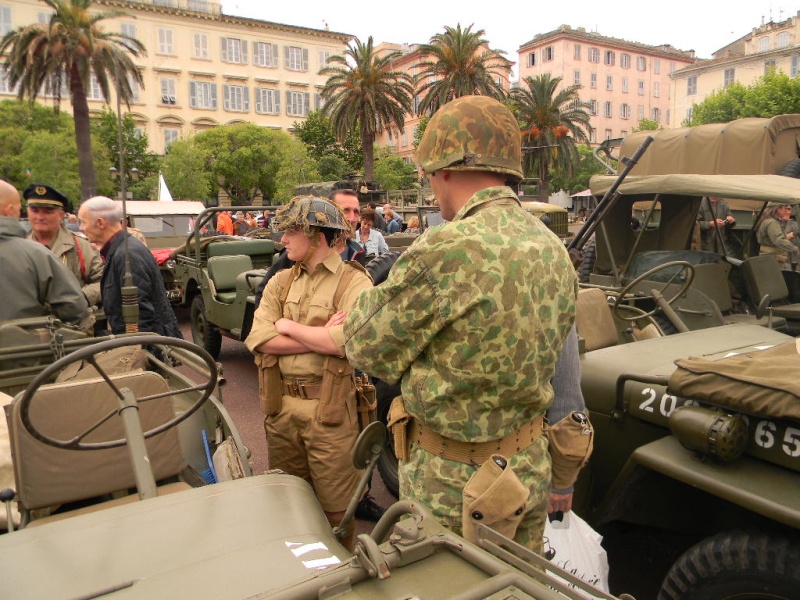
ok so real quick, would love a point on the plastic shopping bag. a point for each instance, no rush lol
(575, 547)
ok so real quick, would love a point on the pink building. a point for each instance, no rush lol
(623, 82)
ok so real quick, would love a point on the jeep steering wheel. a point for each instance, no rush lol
(88, 353)
(686, 267)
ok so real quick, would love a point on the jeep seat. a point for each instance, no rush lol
(594, 321)
(223, 272)
(763, 277)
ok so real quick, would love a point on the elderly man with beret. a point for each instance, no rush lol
(46, 209)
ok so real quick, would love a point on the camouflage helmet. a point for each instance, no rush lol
(472, 133)
(305, 212)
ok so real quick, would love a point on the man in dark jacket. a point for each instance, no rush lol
(101, 221)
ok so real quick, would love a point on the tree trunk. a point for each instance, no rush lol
(83, 135)
(367, 146)
(544, 181)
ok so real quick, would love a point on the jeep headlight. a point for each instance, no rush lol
(709, 432)
(170, 264)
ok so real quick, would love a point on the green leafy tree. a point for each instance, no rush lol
(773, 94)
(137, 155)
(647, 125)
(317, 134)
(331, 168)
(459, 63)
(47, 57)
(185, 169)
(553, 122)
(583, 169)
(364, 94)
(392, 172)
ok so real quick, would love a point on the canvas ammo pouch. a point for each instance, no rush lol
(269, 383)
(337, 387)
(571, 442)
(495, 497)
(398, 425)
(366, 401)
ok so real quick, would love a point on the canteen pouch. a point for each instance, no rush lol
(571, 441)
(495, 497)
(366, 401)
(337, 388)
(269, 384)
(398, 424)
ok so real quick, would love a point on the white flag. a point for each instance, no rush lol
(163, 190)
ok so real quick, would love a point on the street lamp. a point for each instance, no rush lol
(133, 174)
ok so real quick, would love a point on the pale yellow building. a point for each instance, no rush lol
(623, 82)
(204, 68)
(770, 46)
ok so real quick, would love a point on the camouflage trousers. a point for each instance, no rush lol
(437, 484)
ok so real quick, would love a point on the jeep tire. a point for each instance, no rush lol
(204, 334)
(736, 564)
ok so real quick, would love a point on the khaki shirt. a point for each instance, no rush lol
(310, 302)
(63, 246)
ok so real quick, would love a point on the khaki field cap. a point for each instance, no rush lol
(472, 133)
(309, 211)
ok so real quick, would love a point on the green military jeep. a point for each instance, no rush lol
(696, 431)
(216, 277)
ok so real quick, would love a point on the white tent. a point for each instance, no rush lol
(163, 190)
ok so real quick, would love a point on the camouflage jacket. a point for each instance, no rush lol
(472, 319)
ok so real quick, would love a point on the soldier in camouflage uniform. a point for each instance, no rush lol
(471, 318)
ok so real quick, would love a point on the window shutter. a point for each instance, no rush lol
(246, 95)
(192, 94)
(276, 102)
(274, 56)
(259, 104)
(213, 88)
(286, 60)
(289, 103)
(257, 58)
(244, 52)
(305, 59)
(306, 103)
(226, 97)
(317, 101)
(223, 48)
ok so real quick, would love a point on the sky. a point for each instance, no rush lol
(700, 25)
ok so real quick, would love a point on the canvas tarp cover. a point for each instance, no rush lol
(744, 146)
(766, 188)
(763, 383)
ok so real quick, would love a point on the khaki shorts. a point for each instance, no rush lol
(320, 454)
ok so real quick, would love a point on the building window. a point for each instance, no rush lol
(200, 45)
(690, 113)
(265, 55)
(5, 19)
(730, 77)
(625, 111)
(128, 29)
(318, 101)
(236, 98)
(170, 135)
(795, 65)
(593, 107)
(324, 55)
(165, 41)
(609, 58)
(136, 90)
(607, 109)
(691, 85)
(592, 135)
(672, 67)
(641, 87)
(623, 133)
(609, 82)
(168, 94)
(531, 60)
(43, 18)
(641, 63)
(576, 77)
(5, 88)
(593, 80)
(548, 54)
(268, 102)
(594, 55)
(233, 50)
(404, 137)
(769, 65)
(297, 104)
(202, 94)
(667, 119)
(416, 103)
(656, 115)
(624, 85)
(657, 66)
(656, 89)
(625, 60)
(639, 112)
(93, 89)
(577, 54)
(295, 59)
(782, 39)
(608, 134)
(763, 44)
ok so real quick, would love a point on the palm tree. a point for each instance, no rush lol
(553, 122)
(67, 51)
(459, 63)
(364, 93)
